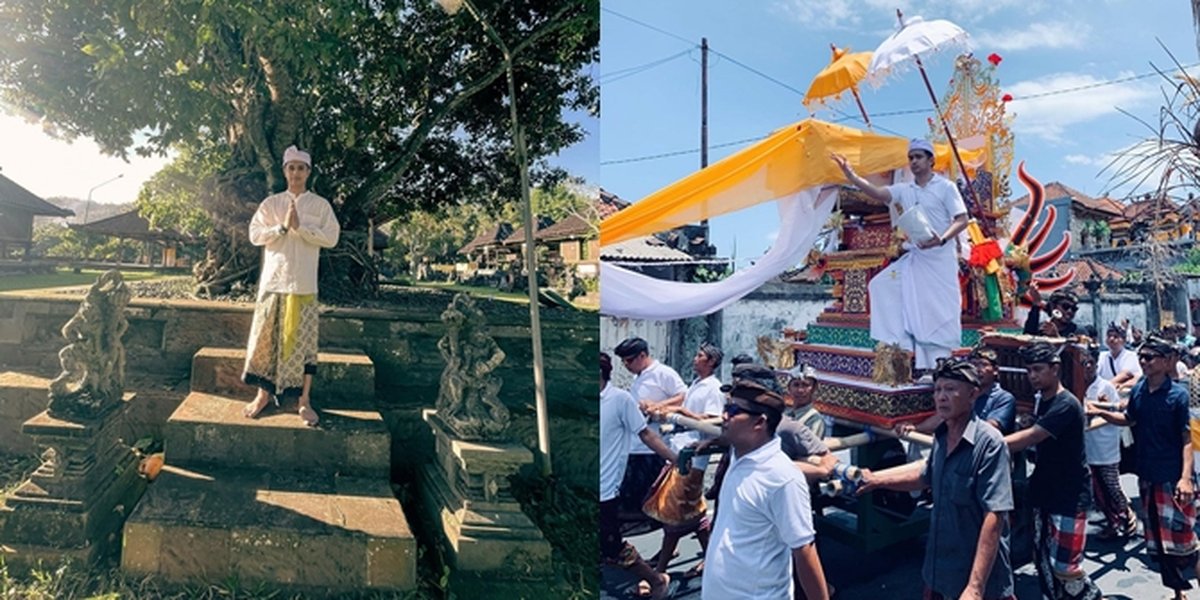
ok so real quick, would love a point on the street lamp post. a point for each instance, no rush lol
(88, 206)
(451, 7)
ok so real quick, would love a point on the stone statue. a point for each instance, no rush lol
(93, 362)
(467, 401)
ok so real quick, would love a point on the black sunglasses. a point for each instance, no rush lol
(1147, 356)
(733, 410)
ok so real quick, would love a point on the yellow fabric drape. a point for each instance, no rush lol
(943, 158)
(791, 159)
(291, 319)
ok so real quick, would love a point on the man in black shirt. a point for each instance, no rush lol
(1061, 307)
(1060, 487)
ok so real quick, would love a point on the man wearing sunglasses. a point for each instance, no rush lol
(1062, 306)
(1118, 364)
(1158, 415)
(655, 387)
(764, 524)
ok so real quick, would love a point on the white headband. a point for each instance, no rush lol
(293, 153)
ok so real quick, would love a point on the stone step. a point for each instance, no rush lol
(343, 379)
(326, 535)
(208, 429)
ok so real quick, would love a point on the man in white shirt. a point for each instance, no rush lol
(1102, 446)
(619, 420)
(1118, 364)
(292, 227)
(764, 524)
(915, 299)
(655, 387)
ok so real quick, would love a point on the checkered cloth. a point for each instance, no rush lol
(1058, 551)
(1168, 523)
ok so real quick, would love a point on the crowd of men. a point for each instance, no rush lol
(761, 540)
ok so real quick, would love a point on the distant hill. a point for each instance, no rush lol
(95, 213)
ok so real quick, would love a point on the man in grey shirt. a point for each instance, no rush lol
(967, 551)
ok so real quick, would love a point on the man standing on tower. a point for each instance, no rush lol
(914, 299)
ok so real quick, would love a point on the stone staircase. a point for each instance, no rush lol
(269, 500)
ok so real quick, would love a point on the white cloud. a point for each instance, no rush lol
(1036, 35)
(1087, 161)
(845, 14)
(1048, 117)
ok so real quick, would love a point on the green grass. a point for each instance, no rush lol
(66, 278)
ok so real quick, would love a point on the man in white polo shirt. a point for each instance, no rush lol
(1118, 364)
(619, 420)
(764, 524)
(655, 387)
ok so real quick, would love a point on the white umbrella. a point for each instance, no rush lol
(915, 37)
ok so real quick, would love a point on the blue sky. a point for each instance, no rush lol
(1066, 137)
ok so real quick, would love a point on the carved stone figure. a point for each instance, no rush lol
(468, 399)
(93, 361)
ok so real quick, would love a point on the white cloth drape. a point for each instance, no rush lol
(627, 294)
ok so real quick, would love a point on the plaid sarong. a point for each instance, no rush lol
(1170, 538)
(1058, 542)
(1106, 491)
(1168, 523)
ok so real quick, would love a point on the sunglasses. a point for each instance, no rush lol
(1068, 307)
(734, 410)
(1147, 357)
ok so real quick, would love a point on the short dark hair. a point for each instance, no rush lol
(714, 354)
(605, 367)
(1059, 296)
(632, 347)
(1040, 352)
(741, 359)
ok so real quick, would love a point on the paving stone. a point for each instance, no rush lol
(343, 379)
(208, 429)
(272, 527)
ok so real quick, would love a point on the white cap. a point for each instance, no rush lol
(293, 153)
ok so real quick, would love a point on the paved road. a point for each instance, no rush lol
(1122, 570)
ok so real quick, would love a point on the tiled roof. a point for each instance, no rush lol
(1056, 190)
(493, 236)
(12, 195)
(610, 204)
(129, 225)
(518, 236)
(646, 248)
(572, 227)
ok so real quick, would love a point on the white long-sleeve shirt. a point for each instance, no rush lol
(290, 256)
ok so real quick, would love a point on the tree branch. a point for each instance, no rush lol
(373, 190)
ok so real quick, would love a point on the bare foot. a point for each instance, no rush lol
(257, 405)
(660, 591)
(307, 414)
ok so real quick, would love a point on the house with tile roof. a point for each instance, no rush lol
(18, 207)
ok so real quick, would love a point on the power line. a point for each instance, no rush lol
(629, 72)
(679, 152)
(847, 117)
(647, 26)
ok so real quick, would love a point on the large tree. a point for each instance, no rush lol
(402, 106)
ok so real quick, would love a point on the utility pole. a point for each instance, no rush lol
(704, 105)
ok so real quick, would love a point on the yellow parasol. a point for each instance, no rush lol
(844, 72)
